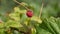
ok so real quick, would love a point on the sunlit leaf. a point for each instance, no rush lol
(34, 18)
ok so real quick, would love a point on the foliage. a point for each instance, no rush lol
(13, 19)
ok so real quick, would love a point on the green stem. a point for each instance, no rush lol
(41, 9)
(20, 4)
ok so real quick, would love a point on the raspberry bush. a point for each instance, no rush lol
(29, 17)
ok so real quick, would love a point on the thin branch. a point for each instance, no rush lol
(20, 4)
(41, 8)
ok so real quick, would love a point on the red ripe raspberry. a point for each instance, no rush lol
(29, 13)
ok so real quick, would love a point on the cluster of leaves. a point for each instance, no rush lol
(50, 26)
(20, 21)
(15, 21)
